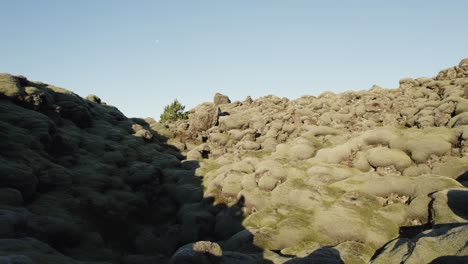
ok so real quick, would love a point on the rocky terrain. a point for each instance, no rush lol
(375, 176)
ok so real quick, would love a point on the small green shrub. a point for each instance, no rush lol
(173, 112)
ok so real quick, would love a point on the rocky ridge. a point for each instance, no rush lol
(351, 171)
(373, 176)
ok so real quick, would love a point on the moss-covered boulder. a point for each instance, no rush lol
(383, 157)
(444, 244)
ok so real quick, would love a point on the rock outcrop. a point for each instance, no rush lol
(361, 166)
(82, 183)
(375, 176)
(221, 99)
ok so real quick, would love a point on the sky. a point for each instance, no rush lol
(141, 55)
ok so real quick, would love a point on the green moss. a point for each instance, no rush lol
(453, 168)
(162, 132)
(297, 183)
(260, 154)
(281, 226)
(221, 139)
(9, 86)
(353, 252)
(207, 166)
(59, 90)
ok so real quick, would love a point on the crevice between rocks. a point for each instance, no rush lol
(409, 232)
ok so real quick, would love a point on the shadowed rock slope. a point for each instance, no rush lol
(364, 176)
(81, 183)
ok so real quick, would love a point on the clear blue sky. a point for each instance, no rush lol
(140, 55)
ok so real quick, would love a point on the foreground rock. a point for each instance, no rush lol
(82, 183)
(443, 244)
